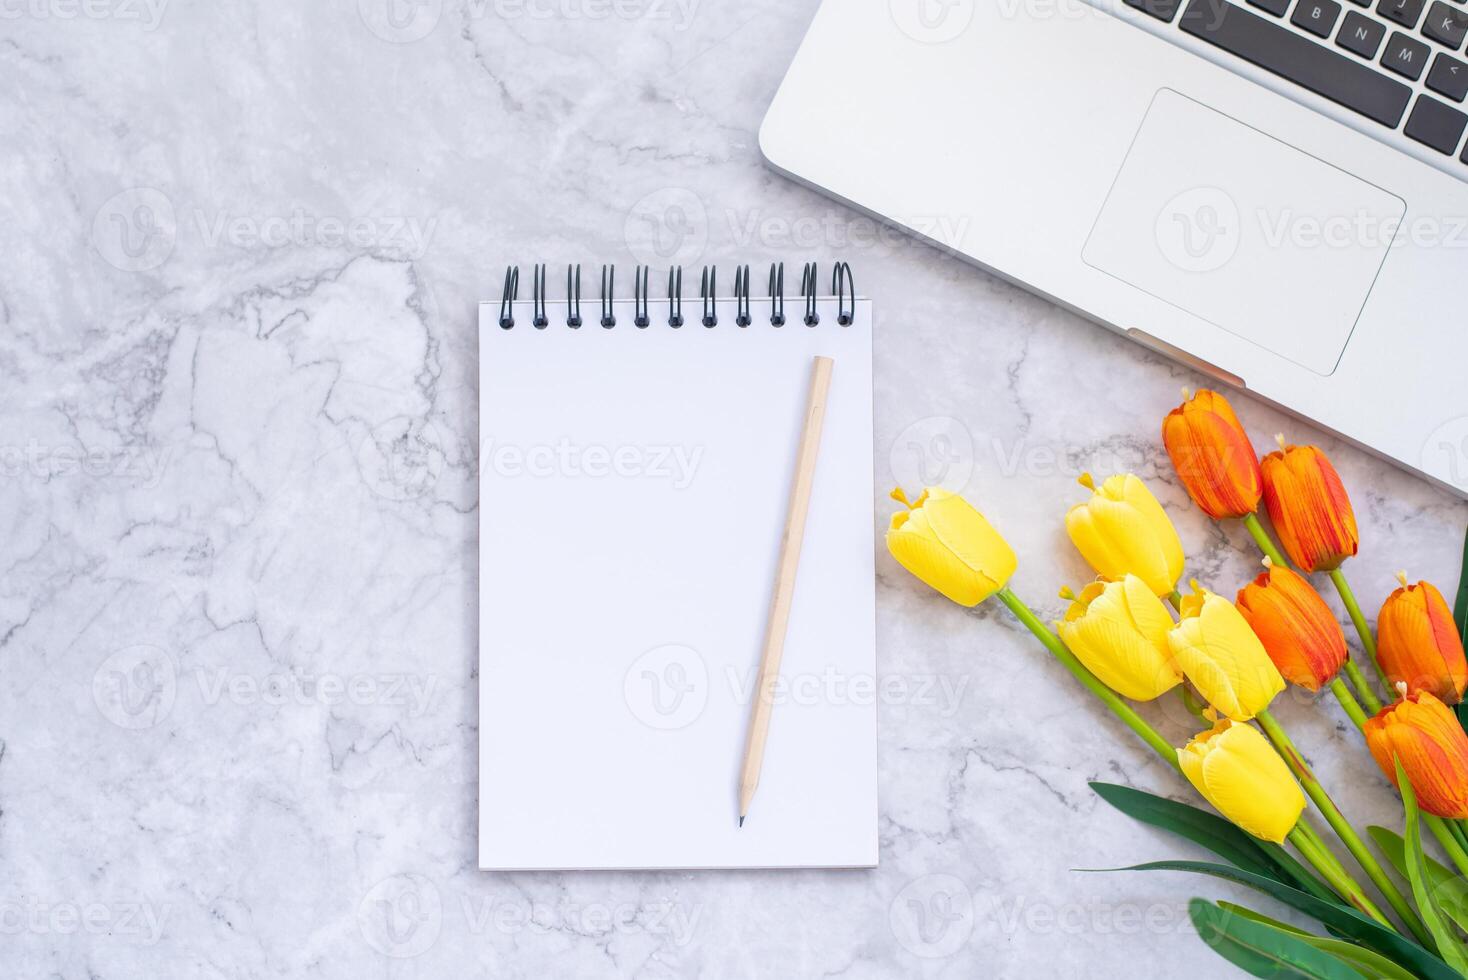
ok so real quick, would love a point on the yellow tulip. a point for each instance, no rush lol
(942, 540)
(1123, 530)
(1216, 650)
(1240, 773)
(1119, 631)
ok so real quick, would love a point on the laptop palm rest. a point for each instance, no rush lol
(1244, 231)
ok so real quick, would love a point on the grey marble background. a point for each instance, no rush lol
(242, 249)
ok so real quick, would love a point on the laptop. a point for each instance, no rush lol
(1274, 192)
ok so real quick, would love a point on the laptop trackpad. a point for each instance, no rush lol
(1244, 231)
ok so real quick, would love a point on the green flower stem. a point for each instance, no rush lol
(1342, 827)
(1176, 598)
(1362, 686)
(1348, 701)
(1368, 642)
(1262, 539)
(1335, 875)
(1451, 845)
(1108, 697)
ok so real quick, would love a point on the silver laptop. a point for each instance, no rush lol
(1272, 191)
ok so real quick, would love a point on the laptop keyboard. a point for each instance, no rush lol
(1363, 60)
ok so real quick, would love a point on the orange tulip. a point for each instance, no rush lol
(1308, 504)
(1418, 643)
(1296, 626)
(1213, 455)
(1424, 734)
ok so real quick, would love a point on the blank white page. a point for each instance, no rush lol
(633, 491)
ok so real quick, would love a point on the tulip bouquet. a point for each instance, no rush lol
(1132, 636)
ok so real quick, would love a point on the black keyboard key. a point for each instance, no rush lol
(1290, 55)
(1362, 35)
(1445, 25)
(1405, 56)
(1276, 7)
(1435, 124)
(1404, 12)
(1449, 77)
(1164, 10)
(1316, 16)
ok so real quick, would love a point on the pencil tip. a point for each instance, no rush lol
(741, 821)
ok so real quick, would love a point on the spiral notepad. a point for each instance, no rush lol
(635, 462)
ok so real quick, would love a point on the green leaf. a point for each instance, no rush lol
(1370, 963)
(1460, 608)
(1262, 950)
(1341, 919)
(1450, 890)
(1211, 831)
(1447, 944)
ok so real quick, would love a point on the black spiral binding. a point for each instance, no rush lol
(639, 297)
(537, 278)
(608, 286)
(741, 296)
(777, 294)
(841, 277)
(675, 295)
(843, 287)
(708, 291)
(808, 284)
(573, 299)
(507, 300)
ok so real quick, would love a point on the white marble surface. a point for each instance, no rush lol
(242, 247)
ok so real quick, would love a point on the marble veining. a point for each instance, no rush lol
(243, 248)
